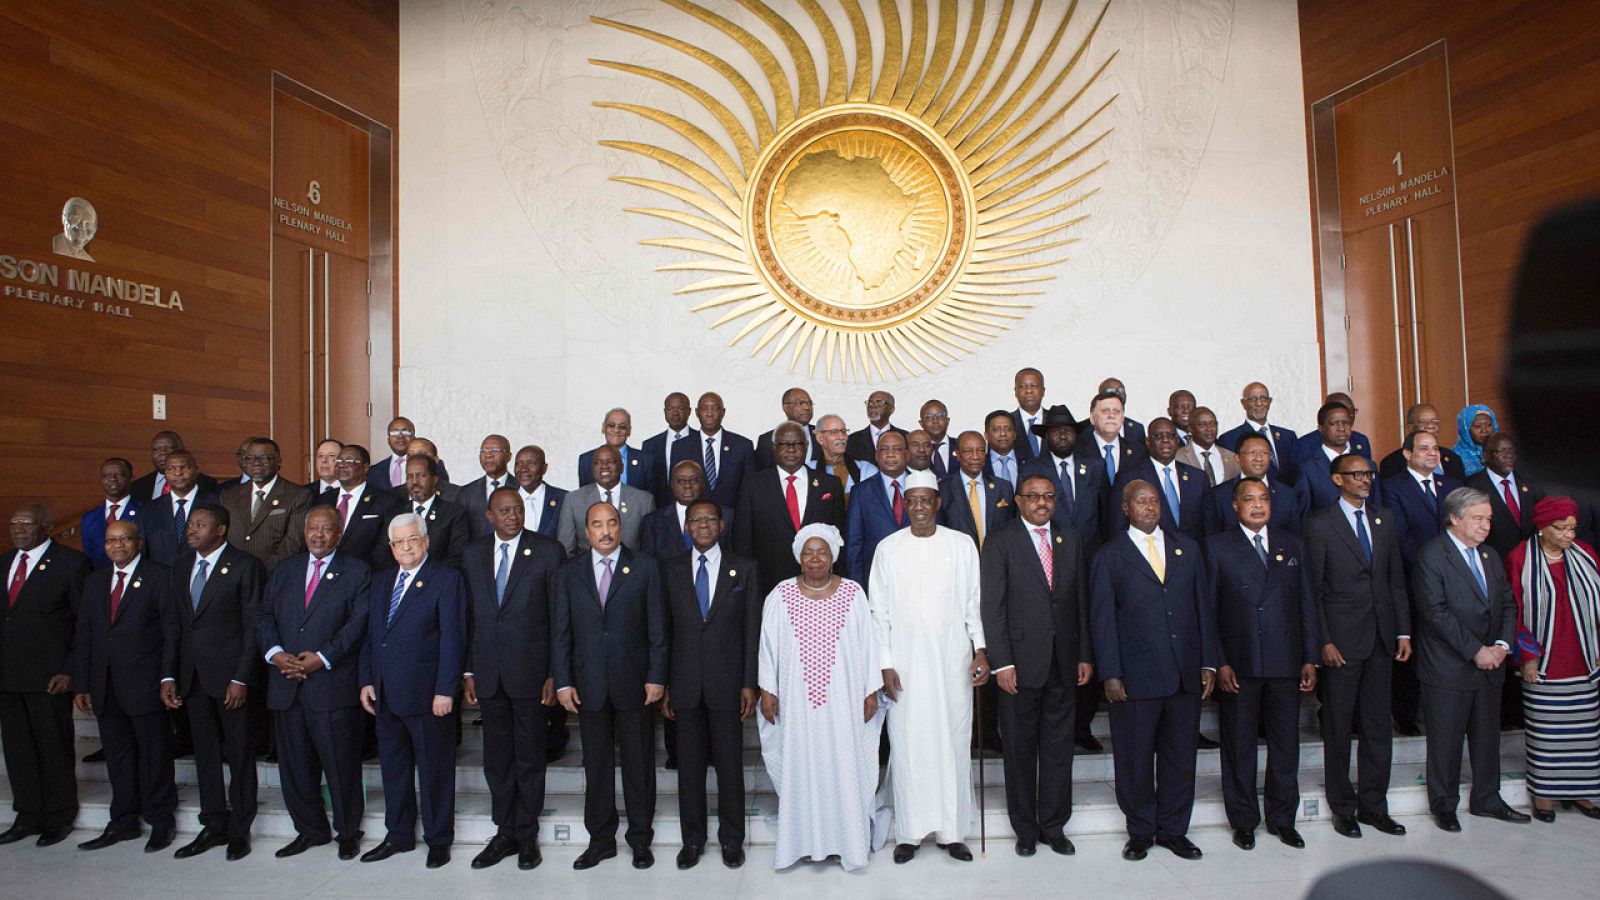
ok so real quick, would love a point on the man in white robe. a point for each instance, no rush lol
(820, 722)
(925, 602)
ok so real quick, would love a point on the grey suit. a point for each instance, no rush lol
(1224, 459)
(632, 505)
(1459, 700)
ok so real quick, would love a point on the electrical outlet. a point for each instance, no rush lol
(158, 406)
(563, 833)
(1312, 808)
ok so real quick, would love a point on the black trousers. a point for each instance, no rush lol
(312, 744)
(714, 737)
(1368, 683)
(1455, 716)
(139, 763)
(1406, 693)
(1154, 743)
(1090, 696)
(514, 762)
(417, 752)
(606, 732)
(36, 735)
(1272, 704)
(1038, 725)
(223, 735)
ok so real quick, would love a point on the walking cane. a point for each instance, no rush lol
(983, 825)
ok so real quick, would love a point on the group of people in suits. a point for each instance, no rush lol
(1150, 565)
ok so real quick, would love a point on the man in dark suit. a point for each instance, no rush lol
(362, 511)
(664, 533)
(638, 468)
(511, 576)
(1036, 621)
(1257, 403)
(1028, 386)
(152, 485)
(713, 626)
(1313, 463)
(494, 456)
(969, 501)
(1255, 461)
(1182, 487)
(862, 446)
(1106, 443)
(268, 514)
(390, 472)
(725, 458)
(1004, 461)
(422, 447)
(1267, 630)
(1156, 647)
(448, 531)
(1180, 406)
(119, 682)
(1308, 443)
(44, 584)
(797, 408)
(1415, 498)
(1423, 417)
(919, 452)
(115, 475)
(210, 663)
(1469, 622)
(411, 665)
(1080, 482)
(1358, 578)
(675, 409)
(609, 655)
(164, 521)
(541, 502)
(324, 461)
(1512, 498)
(935, 420)
(632, 504)
(1128, 429)
(878, 509)
(775, 503)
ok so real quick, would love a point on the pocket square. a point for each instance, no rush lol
(1292, 562)
(278, 512)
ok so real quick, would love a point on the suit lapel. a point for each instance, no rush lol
(622, 569)
(1348, 535)
(521, 558)
(209, 592)
(1466, 571)
(813, 500)
(1140, 562)
(130, 591)
(416, 583)
(719, 597)
(329, 576)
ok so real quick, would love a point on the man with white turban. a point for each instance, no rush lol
(925, 586)
(820, 721)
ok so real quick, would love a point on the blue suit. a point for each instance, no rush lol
(92, 529)
(1311, 442)
(162, 543)
(1314, 482)
(656, 447)
(409, 661)
(1217, 515)
(549, 523)
(999, 505)
(638, 468)
(378, 476)
(1417, 519)
(1283, 441)
(1083, 509)
(738, 459)
(869, 519)
(1190, 483)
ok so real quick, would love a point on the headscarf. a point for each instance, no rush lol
(1552, 509)
(1470, 451)
(1539, 591)
(829, 535)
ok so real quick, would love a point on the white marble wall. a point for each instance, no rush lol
(527, 305)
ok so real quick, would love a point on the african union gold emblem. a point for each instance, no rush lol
(876, 221)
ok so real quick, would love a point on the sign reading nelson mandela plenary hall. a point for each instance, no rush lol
(55, 284)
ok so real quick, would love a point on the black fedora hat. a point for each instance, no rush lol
(1054, 417)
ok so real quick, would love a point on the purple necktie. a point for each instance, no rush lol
(605, 582)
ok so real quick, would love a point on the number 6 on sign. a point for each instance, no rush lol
(314, 191)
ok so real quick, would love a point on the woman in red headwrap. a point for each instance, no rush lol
(1557, 586)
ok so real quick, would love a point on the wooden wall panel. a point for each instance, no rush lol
(159, 112)
(1525, 108)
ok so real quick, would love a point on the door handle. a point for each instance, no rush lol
(1399, 358)
(311, 355)
(1416, 339)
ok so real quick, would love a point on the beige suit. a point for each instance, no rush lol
(278, 528)
(1222, 457)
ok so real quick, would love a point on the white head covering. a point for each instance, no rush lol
(923, 478)
(829, 535)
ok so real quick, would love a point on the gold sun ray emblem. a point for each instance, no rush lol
(885, 222)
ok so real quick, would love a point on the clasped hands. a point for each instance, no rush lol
(1489, 658)
(297, 666)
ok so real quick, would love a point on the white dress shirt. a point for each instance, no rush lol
(355, 498)
(311, 572)
(716, 450)
(1210, 459)
(426, 505)
(713, 562)
(802, 487)
(34, 556)
(532, 506)
(595, 562)
(1332, 453)
(1140, 541)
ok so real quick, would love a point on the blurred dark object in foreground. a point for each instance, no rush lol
(1552, 381)
(1401, 878)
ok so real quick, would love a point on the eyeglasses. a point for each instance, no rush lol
(492, 451)
(1363, 474)
(348, 462)
(1036, 497)
(119, 540)
(704, 520)
(406, 543)
(258, 459)
(618, 426)
(402, 433)
(833, 431)
(936, 417)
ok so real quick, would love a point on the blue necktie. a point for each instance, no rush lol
(688, 542)
(1033, 439)
(394, 598)
(1067, 499)
(1111, 463)
(1272, 445)
(180, 523)
(1261, 549)
(502, 572)
(1433, 498)
(1477, 571)
(1172, 494)
(702, 589)
(1362, 537)
(1005, 470)
(197, 585)
(711, 464)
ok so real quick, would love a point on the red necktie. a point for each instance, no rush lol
(344, 509)
(166, 488)
(1047, 557)
(899, 505)
(111, 514)
(316, 575)
(1511, 500)
(116, 594)
(793, 500)
(17, 579)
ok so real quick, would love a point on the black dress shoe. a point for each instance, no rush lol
(672, 763)
(1061, 844)
(959, 852)
(689, 857)
(1205, 743)
(1406, 729)
(16, 833)
(1447, 821)
(1288, 835)
(383, 851)
(349, 847)
(1244, 838)
(1181, 847)
(1089, 743)
(732, 855)
(238, 848)
(1504, 814)
(904, 853)
(592, 856)
(97, 756)
(51, 836)
(1382, 822)
(202, 842)
(1346, 825)
(109, 838)
(299, 845)
(438, 856)
(1026, 847)
(643, 858)
(529, 857)
(1544, 815)
(1136, 849)
(499, 847)
(160, 839)
(1592, 811)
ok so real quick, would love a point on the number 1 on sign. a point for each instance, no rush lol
(1397, 170)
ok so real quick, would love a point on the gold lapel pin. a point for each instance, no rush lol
(1377, 521)
(1524, 489)
(815, 483)
(1083, 470)
(527, 551)
(274, 501)
(552, 503)
(224, 570)
(1184, 476)
(732, 573)
(625, 570)
(633, 462)
(136, 584)
(1280, 557)
(419, 584)
(328, 577)
(724, 448)
(1058, 538)
(1178, 552)
(623, 508)
(991, 485)
(42, 566)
